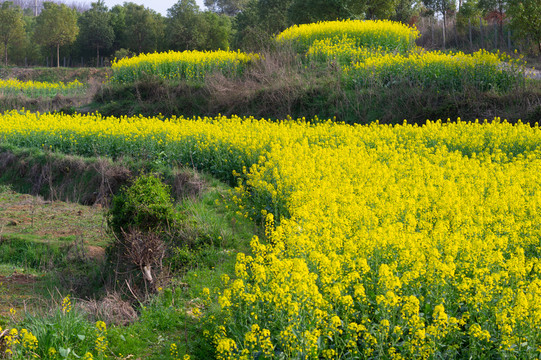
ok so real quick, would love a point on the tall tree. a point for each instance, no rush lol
(184, 27)
(468, 13)
(217, 30)
(247, 31)
(260, 19)
(308, 11)
(96, 28)
(190, 29)
(118, 22)
(56, 25)
(442, 7)
(405, 11)
(11, 25)
(526, 19)
(381, 9)
(226, 7)
(143, 28)
(273, 15)
(495, 9)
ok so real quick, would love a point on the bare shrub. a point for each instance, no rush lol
(110, 178)
(111, 309)
(144, 250)
(274, 83)
(137, 258)
(187, 184)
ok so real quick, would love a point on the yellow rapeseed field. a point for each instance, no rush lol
(188, 65)
(390, 35)
(383, 53)
(13, 87)
(381, 241)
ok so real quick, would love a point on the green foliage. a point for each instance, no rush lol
(488, 6)
(122, 53)
(184, 26)
(146, 205)
(56, 25)
(226, 7)
(190, 29)
(26, 49)
(526, 19)
(439, 6)
(468, 12)
(11, 26)
(118, 22)
(405, 10)
(28, 252)
(259, 21)
(143, 28)
(307, 11)
(96, 28)
(66, 330)
(218, 30)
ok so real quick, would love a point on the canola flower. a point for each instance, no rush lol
(381, 241)
(66, 304)
(444, 71)
(188, 65)
(385, 34)
(19, 344)
(101, 338)
(344, 51)
(383, 53)
(14, 87)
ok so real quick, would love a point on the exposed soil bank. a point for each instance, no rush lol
(324, 97)
(88, 181)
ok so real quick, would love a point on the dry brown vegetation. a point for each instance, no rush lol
(281, 85)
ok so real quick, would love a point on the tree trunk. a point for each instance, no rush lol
(97, 56)
(6, 52)
(58, 55)
(501, 21)
(471, 39)
(481, 32)
(444, 26)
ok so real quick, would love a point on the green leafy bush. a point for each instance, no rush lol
(146, 205)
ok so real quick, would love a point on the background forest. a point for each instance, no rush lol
(59, 34)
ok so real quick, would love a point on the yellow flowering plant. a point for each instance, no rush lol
(385, 34)
(14, 87)
(385, 241)
(186, 65)
(383, 53)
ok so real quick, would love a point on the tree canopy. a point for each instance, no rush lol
(143, 28)
(188, 28)
(56, 25)
(226, 7)
(11, 25)
(442, 7)
(96, 28)
(526, 19)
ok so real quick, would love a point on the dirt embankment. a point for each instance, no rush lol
(84, 75)
(88, 181)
